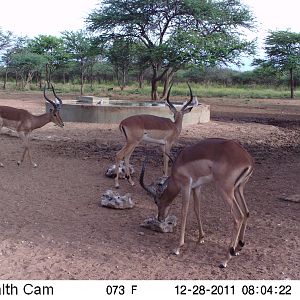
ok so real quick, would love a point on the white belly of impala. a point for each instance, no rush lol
(9, 124)
(149, 139)
(201, 180)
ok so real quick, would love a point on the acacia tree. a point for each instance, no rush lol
(26, 65)
(175, 33)
(283, 54)
(121, 56)
(81, 48)
(52, 49)
(6, 41)
(17, 45)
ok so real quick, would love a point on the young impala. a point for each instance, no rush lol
(151, 129)
(223, 161)
(23, 122)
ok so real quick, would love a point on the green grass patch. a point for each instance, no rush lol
(178, 89)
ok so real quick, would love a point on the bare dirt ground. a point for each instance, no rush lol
(52, 226)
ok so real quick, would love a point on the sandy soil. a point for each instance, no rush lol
(52, 226)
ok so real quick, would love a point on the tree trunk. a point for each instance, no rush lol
(16, 77)
(81, 78)
(168, 78)
(64, 77)
(154, 84)
(47, 75)
(123, 79)
(141, 79)
(5, 78)
(91, 76)
(292, 83)
(154, 92)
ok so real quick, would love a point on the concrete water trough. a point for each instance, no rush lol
(103, 110)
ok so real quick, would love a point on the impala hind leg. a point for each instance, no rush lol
(239, 194)
(126, 160)
(238, 218)
(125, 154)
(1, 124)
(196, 194)
(166, 149)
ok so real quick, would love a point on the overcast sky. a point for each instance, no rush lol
(34, 17)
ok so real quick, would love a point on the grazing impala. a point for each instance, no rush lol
(223, 161)
(23, 122)
(151, 129)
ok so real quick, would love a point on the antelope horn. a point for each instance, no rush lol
(191, 100)
(145, 187)
(172, 107)
(60, 101)
(47, 99)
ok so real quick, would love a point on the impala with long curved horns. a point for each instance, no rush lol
(223, 161)
(152, 129)
(23, 122)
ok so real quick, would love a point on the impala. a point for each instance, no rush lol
(223, 161)
(23, 122)
(151, 129)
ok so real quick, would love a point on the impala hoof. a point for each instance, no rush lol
(176, 251)
(222, 265)
(1, 165)
(130, 180)
(34, 165)
(18, 163)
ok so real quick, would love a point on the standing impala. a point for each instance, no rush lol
(151, 129)
(223, 161)
(23, 122)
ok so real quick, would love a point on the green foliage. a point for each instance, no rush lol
(26, 64)
(283, 49)
(176, 33)
(283, 54)
(121, 55)
(5, 39)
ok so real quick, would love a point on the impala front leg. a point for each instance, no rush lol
(186, 194)
(25, 139)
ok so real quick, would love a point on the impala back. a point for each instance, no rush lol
(11, 117)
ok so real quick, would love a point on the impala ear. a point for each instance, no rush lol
(187, 110)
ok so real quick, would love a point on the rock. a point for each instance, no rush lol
(111, 171)
(167, 225)
(112, 199)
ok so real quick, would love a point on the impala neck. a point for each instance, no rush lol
(41, 120)
(178, 122)
(167, 198)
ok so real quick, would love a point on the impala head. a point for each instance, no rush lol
(159, 192)
(54, 112)
(184, 109)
